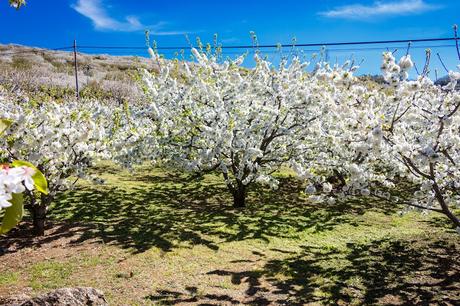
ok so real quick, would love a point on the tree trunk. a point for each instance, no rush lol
(239, 196)
(39, 216)
(440, 198)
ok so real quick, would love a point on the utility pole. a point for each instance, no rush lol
(76, 67)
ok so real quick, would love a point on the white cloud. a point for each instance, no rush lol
(380, 9)
(102, 21)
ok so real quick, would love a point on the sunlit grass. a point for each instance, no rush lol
(164, 237)
(8, 278)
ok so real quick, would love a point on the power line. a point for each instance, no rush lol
(298, 47)
(384, 48)
(171, 48)
(352, 43)
(125, 50)
(280, 45)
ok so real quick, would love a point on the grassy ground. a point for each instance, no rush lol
(162, 238)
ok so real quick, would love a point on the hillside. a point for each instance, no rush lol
(51, 74)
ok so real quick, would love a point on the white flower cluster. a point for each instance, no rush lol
(402, 135)
(14, 180)
(394, 72)
(221, 116)
(62, 140)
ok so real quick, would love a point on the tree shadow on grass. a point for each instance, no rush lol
(382, 272)
(167, 209)
(440, 221)
(23, 237)
(191, 296)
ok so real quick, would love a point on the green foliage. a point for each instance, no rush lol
(4, 125)
(13, 214)
(94, 90)
(52, 93)
(39, 179)
(42, 94)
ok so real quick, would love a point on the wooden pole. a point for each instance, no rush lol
(76, 67)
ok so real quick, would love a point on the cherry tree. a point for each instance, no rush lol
(421, 133)
(219, 116)
(403, 135)
(62, 140)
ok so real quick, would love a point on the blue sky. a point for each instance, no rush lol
(52, 23)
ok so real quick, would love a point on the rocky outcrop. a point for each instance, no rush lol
(61, 297)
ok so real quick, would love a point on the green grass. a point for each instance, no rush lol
(8, 278)
(154, 236)
(49, 274)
